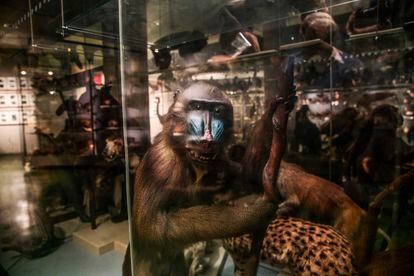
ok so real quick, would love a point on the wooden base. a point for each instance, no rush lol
(107, 237)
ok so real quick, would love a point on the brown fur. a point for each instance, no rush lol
(320, 196)
(165, 219)
(297, 188)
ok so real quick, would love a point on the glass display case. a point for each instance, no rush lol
(347, 156)
(62, 173)
(215, 137)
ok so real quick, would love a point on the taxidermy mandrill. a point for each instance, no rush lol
(181, 180)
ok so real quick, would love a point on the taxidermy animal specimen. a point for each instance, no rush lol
(183, 176)
(308, 248)
(304, 247)
(161, 118)
(380, 15)
(299, 189)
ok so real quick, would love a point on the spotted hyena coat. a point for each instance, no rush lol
(305, 248)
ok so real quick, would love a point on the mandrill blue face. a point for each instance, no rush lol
(208, 121)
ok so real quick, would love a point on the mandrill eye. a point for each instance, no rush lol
(195, 106)
(218, 110)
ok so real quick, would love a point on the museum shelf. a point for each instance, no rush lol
(245, 62)
(377, 34)
(393, 38)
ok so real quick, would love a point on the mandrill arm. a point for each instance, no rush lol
(189, 225)
(166, 217)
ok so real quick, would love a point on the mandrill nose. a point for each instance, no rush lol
(207, 139)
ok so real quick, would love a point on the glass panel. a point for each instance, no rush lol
(347, 149)
(155, 133)
(63, 187)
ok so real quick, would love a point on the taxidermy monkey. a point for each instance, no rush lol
(307, 248)
(177, 182)
(298, 189)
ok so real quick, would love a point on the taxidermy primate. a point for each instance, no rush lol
(181, 181)
(372, 156)
(308, 248)
(379, 16)
(161, 118)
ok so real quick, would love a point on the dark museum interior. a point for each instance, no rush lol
(214, 137)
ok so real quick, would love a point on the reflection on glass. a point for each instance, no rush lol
(170, 133)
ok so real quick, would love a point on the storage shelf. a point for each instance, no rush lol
(255, 60)
(377, 34)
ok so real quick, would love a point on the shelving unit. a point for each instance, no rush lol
(17, 115)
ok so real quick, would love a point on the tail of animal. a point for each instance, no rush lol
(364, 243)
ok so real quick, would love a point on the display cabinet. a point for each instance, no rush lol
(214, 137)
(349, 133)
(61, 117)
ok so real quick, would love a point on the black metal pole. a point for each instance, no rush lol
(91, 104)
(22, 128)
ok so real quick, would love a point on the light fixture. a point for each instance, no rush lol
(51, 92)
(50, 73)
(23, 73)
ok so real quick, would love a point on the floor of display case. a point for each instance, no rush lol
(84, 251)
(106, 238)
(69, 259)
